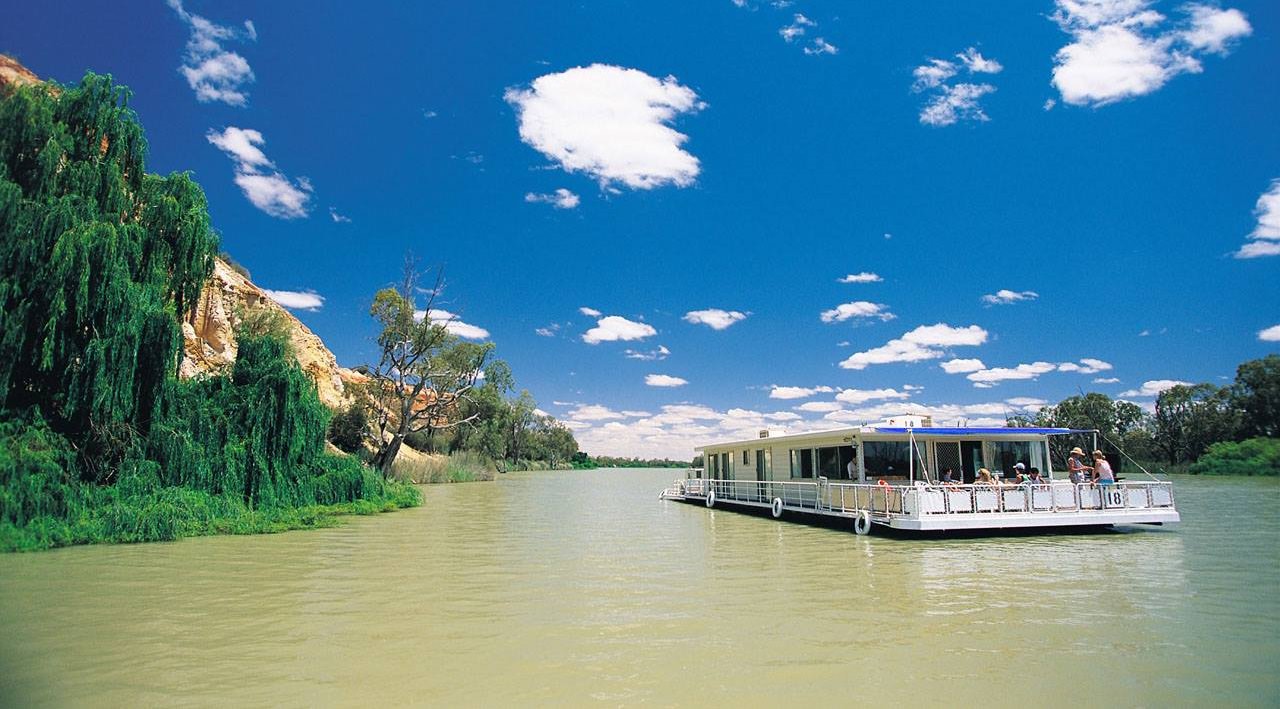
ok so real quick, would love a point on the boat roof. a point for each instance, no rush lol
(846, 435)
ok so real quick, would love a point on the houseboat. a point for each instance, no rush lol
(907, 474)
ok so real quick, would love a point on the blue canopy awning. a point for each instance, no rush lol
(987, 431)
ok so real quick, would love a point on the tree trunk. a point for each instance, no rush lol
(388, 454)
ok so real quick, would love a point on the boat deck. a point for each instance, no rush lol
(925, 508)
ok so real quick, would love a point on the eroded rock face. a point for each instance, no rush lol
(209, 343)
(14, 74)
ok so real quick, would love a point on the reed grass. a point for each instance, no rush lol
(457, 467)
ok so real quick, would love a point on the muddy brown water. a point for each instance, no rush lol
(583, 589)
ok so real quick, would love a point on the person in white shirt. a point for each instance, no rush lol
(1102, 474)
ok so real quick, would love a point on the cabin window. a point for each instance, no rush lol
(884, 459)
(829, 462)
(725, 471)
(745, 459)
(1004, 454)
(713, 466)
(802, 463)
(847, 455)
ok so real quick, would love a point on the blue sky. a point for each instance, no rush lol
(1096, 166)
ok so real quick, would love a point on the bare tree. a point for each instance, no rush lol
(425, 375)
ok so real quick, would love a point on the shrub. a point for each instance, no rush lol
(348, 428)
(1254, 456)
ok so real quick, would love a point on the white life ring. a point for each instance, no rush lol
(711, 499)
(777, 507)
(862, 523)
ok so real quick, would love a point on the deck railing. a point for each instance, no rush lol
(923, 499)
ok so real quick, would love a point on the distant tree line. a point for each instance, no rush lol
(582, 460)
(1203, 428)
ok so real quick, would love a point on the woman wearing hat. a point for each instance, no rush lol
(1076, 467)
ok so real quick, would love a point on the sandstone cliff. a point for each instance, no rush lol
(14, 74)
(209, 343)
(209, 334)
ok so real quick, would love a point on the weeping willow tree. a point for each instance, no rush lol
(99, 261)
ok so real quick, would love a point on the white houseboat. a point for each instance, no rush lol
(894, 475)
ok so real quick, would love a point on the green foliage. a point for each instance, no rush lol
(97, 260)
(98, 439)
(606, 461)
(461, 466)
(349, 428)
(1188, 422)
(1118, 421)
(1188, 419)
(1253, 456)
(1256, 394)
(425, 375)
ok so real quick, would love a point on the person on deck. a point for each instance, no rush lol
(1102, 474)
(984, 478)
(1035, 478)
(1076, 467)
(949, 476)
(851, 470)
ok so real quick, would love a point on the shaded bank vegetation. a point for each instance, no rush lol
(1197, 428)
(100, 440)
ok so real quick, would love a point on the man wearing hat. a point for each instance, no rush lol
(1019, 472)
(1076, 467)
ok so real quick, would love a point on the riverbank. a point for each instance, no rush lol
(105, 516)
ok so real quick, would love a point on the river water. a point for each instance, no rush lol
(582, 588)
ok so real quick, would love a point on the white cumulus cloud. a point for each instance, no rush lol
(453, 325)
(819, 406)
(215, 73)
(1265, 239)
(933, 74)
(1122, 49)
(264, 186)
(861, 396)
(962, 366)
(1005, 296)
(296, 300)
(614, 328)
(1022, 371)
(978, 64)
(796, 28)
(611, 123)
(950, 103)
(1153, 387)
(863, 277)
(560, 199)
(590, 312)
(1087, 365)
(1271, 334)
(714, 318)
(821, 46)
(956, 103)
(664, 380)
(859, 309)
(781, 392)
(650, 356)
(923, 343)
